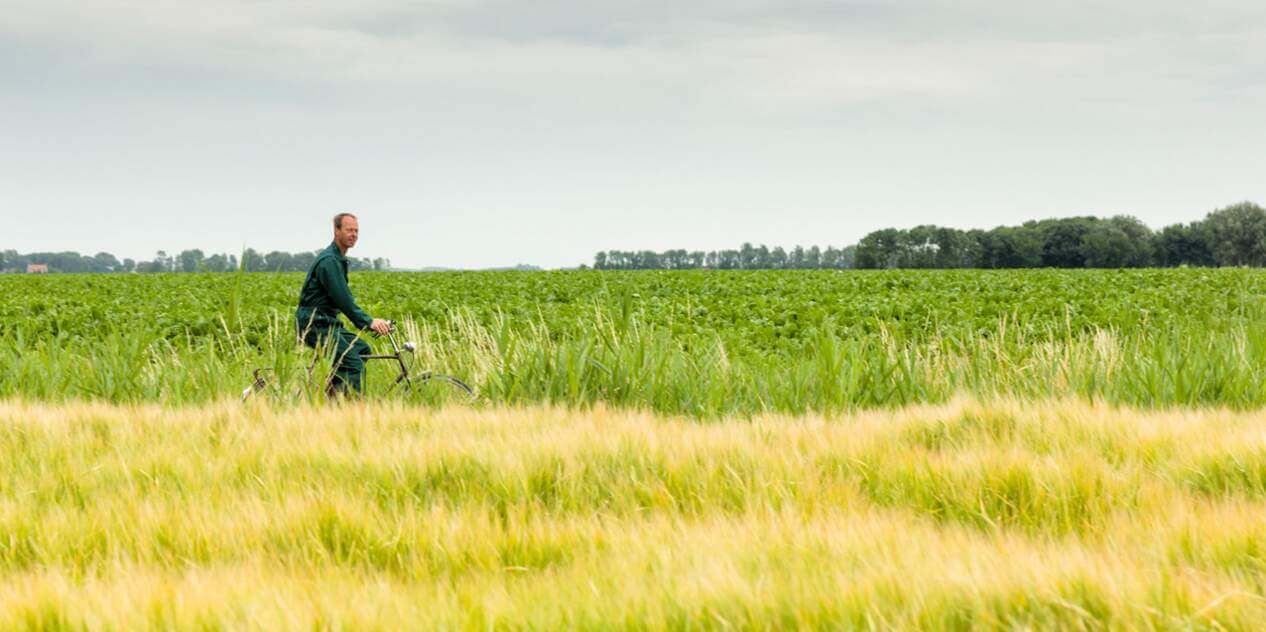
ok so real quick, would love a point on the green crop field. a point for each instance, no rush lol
(695, 343)
(648, 450)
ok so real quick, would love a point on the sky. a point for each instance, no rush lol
(471, 133)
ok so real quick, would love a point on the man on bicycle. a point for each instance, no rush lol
(324, 295)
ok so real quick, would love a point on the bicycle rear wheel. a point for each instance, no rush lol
(259, 383)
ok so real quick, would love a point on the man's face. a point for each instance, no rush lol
(345, 236)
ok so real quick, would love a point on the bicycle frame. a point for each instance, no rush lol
(397, 355)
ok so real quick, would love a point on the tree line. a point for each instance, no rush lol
(1230, 236)
(185, 261)
(747, 257)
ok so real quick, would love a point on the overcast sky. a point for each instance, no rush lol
(471, 133)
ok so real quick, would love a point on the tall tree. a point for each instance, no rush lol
(880, 249)
(1238, 235)
(190, 260)
(216, 263)
(917, 247)
(254, 262)
(106, 262)
(778, 258)
(1184, 244)
(1142, 240)
(796, 259)
(954, 249)
(1119, 242)
(813, 257)
(277, 261)
(1105, 246)
(747, 256)
(762, 258)
(830, 257)
(1061, 241)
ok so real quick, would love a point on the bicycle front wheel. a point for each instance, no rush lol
(436, 385)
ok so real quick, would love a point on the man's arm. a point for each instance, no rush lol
(331, 276)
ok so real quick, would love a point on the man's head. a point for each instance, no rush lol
(346, 231)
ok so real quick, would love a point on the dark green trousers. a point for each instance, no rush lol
(347, 350)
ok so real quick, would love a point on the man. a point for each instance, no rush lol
(324, 295)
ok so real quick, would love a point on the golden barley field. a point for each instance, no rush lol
(972, 514)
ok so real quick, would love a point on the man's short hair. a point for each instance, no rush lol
(338, 219)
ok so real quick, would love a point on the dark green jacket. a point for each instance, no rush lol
(325, 294)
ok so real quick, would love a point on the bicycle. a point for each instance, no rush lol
(260, 380)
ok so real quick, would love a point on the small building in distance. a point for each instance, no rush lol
(37, 268)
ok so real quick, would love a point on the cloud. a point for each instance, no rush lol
(730, 56)
(683, 115)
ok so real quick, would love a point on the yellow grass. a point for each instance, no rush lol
(1057, 514)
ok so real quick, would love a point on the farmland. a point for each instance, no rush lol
(704, 344)
(649, 450)
(1059, 515)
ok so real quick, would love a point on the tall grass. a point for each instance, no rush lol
(1051, 514)
(618, 360)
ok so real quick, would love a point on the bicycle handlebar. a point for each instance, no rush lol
(391, 326)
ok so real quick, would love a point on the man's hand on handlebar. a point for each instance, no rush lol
(380, 326)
